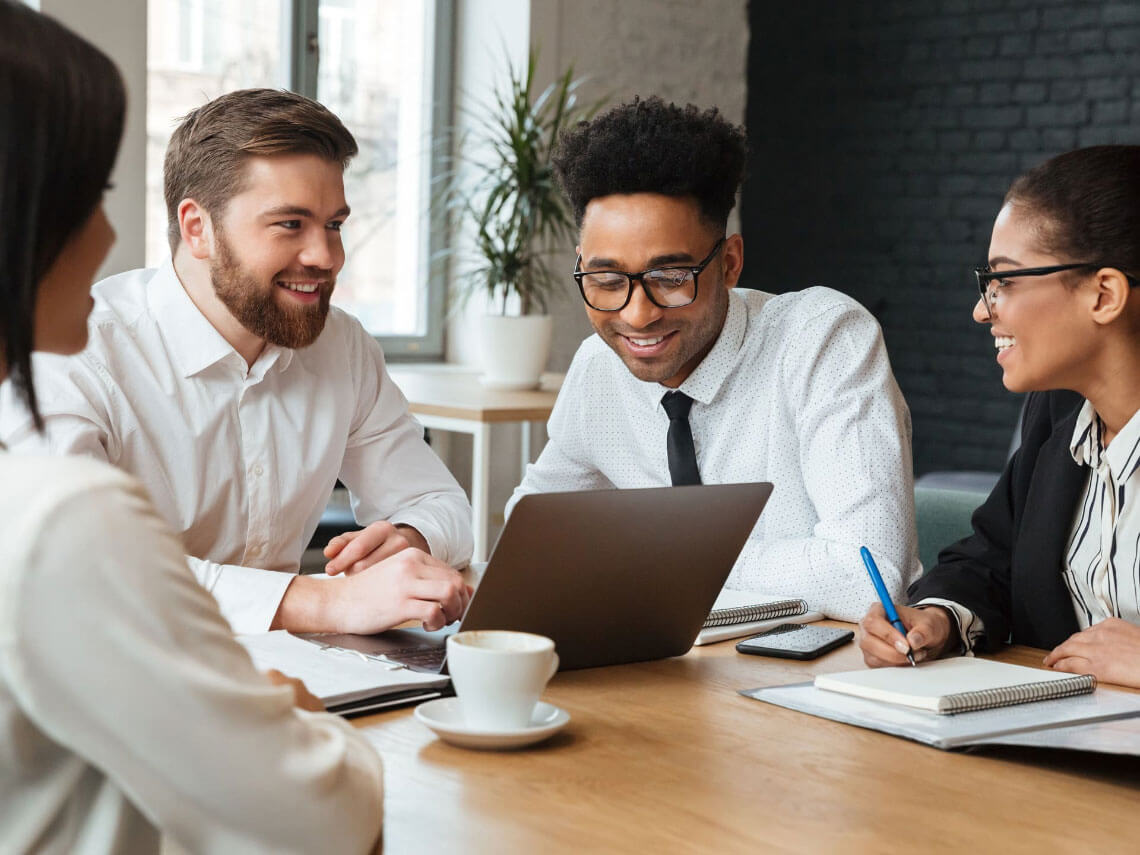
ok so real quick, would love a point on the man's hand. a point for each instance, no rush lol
(1109, 650)
(353, 551)
(930, 632)
(302, 697)
(408, 586)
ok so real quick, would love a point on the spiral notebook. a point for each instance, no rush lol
(958, 685)
(1032, 724)
(740, 613)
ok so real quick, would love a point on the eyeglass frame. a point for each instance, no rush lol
(985, 275)
(696, 270)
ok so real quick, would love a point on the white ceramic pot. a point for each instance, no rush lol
(515, 350)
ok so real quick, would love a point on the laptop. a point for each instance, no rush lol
(613, 576)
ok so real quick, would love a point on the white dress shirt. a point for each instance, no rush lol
(797, 390)
(1102, 561)
(240, 460)
(127, 708)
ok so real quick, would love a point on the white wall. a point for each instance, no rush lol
(118, 27)
(682, 50)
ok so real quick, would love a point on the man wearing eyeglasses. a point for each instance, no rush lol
(690, 380)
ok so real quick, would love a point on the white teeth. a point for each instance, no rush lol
(646, 342)
(1001, 342)
(303, 287)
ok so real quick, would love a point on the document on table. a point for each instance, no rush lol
(338, 677)
(1032, 723)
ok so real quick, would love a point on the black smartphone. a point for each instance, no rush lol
(795, 641)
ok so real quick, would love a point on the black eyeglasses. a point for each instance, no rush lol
(990, 281)
(666, 287)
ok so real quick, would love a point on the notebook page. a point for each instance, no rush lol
(924, 686)
(334, 676)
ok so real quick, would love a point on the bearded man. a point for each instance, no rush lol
(225, 383)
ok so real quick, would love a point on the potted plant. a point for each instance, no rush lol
(507, 195)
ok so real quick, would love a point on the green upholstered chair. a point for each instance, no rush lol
(942, 517)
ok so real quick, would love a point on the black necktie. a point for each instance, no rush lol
(679, 443)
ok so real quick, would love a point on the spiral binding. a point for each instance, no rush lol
(988, 699)
(747, 614)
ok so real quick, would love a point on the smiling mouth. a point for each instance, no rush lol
(647, 345)
(308, 287)
(1004, 342)
(645, 342)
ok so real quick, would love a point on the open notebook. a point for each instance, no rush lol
(348, 683)
(740, 613)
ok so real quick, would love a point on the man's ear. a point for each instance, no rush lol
(196, 228)
(733, 252)
(1111, 293)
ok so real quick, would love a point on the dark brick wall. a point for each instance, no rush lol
(884, 136)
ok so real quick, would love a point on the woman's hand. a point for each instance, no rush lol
(1109, 650)
(930, 632)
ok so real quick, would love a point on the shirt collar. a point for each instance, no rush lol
(193, 343)
(1122, 455)
(707, 378)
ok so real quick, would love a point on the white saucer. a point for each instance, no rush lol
(444, 717)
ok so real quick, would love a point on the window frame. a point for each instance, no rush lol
(302, 53)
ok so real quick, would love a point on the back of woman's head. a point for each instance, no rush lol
(1087, 205)
(61, 117)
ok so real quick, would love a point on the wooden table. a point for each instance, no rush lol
(664, 757)
(451, 398)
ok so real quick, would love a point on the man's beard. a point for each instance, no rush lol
(256, 307)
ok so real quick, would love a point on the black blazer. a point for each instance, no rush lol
(1008, 571)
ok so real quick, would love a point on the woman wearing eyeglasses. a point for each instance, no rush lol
(127, 710)
(1054, 560)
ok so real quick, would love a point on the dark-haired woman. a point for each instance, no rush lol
(127, 710)
(1054, 560)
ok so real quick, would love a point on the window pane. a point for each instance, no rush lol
(374, 73)
(198, 50)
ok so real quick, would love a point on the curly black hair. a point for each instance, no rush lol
(653, 147)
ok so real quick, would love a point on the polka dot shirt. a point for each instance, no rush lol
(797, 390)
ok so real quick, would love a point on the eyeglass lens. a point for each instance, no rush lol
(670, 287)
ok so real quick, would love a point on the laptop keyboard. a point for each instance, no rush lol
(430, 658)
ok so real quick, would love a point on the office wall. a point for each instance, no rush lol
(681, 50)
(884, 136)
(118, 27)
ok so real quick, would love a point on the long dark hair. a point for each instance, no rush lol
(62, 105)
(1088, 202)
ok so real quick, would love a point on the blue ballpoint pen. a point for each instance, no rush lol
(884, 597)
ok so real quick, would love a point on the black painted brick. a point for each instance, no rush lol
(911, 118)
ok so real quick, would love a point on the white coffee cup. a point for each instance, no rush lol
(498, 675)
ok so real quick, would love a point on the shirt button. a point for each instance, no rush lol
(258, 471)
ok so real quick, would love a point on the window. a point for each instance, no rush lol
(382, 68)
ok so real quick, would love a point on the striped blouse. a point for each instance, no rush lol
(1102, 561)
